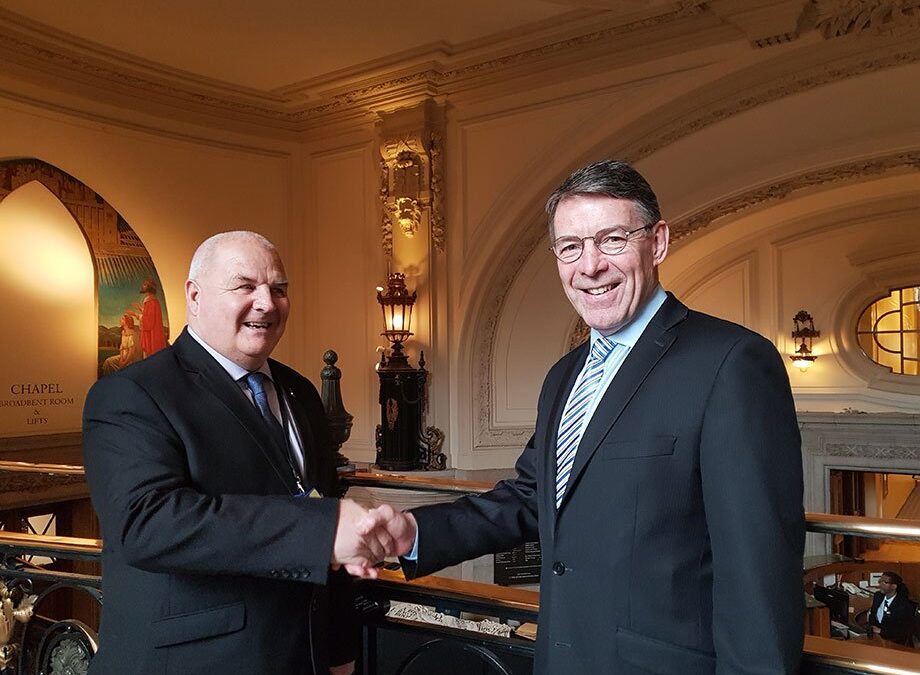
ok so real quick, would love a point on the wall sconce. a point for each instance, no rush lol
(803, 332)
(402, 443)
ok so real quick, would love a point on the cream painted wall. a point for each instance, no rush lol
(344, 263)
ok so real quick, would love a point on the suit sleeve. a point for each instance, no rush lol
(751, 466)
(472, 526)
(139, 481)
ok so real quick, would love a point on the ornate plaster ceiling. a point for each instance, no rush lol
(274, 44)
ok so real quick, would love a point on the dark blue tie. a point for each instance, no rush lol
(256, 383)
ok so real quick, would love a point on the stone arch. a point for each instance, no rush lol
(120, 260)
(647, 142)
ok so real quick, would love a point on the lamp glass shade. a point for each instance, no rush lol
(396, 303)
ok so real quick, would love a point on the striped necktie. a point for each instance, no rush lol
(573, 417)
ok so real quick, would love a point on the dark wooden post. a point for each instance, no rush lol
(339, 419)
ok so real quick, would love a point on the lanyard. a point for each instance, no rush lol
(286, 426)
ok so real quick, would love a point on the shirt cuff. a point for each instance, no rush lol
(413, 554)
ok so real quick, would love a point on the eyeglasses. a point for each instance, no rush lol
(609, 242)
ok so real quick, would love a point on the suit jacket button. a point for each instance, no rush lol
(285, 574)
(558, 569)
(273, 573)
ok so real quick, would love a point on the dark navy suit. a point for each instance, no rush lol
(678, 545)
(210, 564)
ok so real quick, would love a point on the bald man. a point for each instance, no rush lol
(209, 467)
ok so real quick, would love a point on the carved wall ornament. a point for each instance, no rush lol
(869, 451)
(845, 17)
(15, 607)
(411, 175)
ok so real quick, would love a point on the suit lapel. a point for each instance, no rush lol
(654, 342)
(215, 382)
(302, 425)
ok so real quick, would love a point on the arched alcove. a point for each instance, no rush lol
(794, 151)
(48, 345)
(73, 276)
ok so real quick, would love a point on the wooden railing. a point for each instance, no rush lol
(820, 656)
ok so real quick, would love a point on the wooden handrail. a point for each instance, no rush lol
(863, 657)
(33, 467)
(45, 544)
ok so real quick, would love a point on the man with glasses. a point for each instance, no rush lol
(664, 477)
(893, 612)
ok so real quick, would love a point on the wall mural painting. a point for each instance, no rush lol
(132, 320)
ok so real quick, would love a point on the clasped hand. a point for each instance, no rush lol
(363, 537)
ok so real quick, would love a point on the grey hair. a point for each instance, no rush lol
(613, 178)
(204, 254)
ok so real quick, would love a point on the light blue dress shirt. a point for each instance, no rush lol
(625, 338)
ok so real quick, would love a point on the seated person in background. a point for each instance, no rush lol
(129, 350)
(892, 613)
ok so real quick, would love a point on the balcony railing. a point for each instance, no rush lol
(27, 652)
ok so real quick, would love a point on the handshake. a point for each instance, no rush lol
(363, 538)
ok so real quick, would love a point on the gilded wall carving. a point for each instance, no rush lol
(411, 175)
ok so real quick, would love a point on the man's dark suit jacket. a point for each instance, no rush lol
(898, 620)
(678, 545)
(209, 564)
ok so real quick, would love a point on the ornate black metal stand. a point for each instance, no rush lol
(402, 443)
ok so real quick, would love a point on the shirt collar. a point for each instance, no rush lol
(630, 333)
(236, 371)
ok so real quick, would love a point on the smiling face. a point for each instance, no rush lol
(238, 301)
(608, 290)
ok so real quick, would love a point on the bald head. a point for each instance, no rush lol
(236, 296)
(204, 254)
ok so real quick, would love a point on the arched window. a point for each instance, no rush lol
(888, 331)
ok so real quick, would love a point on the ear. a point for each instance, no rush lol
(192, 291)
(661, 235)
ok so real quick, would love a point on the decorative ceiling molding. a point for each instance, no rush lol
(76, 66)
(70, 65)
(846, 17)
(765, 23)
(685, 227)
(746, 90)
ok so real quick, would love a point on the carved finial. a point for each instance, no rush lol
(421, 359)
(330, 371)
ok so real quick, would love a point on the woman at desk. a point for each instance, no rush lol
(892, 613)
